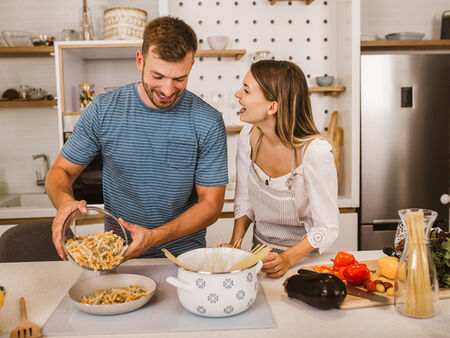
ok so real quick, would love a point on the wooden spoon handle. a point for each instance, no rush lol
(23, 309)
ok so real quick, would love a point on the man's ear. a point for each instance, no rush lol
(140, 61)
(273, 108)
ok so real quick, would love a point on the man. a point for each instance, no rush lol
(164, 151)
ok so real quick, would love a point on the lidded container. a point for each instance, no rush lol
(416, 285)
(87, 94)
(124, 23)
(94, 240)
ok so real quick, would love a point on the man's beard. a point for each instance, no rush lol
(152, 96)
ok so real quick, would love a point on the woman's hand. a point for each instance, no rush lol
(140, 239)
(275, 265)
(63, 212)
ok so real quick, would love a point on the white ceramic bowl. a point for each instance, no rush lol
(88, 287)
(217, 42)
(215, 294)
(324, 81)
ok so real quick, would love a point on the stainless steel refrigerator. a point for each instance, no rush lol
(405, 109)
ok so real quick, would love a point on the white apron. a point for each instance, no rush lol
(277, 223)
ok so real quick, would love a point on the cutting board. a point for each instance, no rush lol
(352, 302)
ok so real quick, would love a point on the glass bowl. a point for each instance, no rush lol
(96, 241)
(17, 38)
(42, 40)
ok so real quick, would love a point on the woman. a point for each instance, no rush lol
(286, 178)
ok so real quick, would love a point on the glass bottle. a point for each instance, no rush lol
(416, 287)
(87, 94)
(86, 23)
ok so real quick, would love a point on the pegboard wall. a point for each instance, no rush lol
(290, 30)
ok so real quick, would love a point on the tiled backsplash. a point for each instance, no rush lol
(25, 132)
(28, 131)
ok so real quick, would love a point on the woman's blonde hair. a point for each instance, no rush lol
(285, 83)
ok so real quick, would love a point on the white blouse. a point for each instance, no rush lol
(315, 189)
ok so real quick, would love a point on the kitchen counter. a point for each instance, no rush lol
(44, 284)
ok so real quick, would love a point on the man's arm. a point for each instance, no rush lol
(202, 214)
(59, 188)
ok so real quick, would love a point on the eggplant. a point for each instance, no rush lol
(320, 290)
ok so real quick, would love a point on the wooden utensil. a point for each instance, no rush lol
(332, 125)
(25, 329)
(337, 141)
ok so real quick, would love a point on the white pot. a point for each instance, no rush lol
(215, 294)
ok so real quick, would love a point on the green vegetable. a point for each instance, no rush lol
(440, 250)
(321, 290)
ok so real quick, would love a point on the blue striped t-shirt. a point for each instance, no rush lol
(152, 158)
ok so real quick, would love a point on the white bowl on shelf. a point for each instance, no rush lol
(218, 41)
(369, 36)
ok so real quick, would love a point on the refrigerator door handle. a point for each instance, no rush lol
(386, 221)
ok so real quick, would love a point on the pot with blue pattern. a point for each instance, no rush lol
(215, 294)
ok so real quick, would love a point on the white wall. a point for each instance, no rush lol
(392, 16)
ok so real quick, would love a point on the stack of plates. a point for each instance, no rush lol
(405, 36)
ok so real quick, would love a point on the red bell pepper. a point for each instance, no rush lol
(356, 274)
(343, 259)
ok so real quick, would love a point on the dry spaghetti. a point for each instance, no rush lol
(116, 295)
(97, 251)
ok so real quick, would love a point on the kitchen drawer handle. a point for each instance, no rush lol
(386, 221)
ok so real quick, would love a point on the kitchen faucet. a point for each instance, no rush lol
(41, 180)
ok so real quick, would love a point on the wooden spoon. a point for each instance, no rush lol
(25, 329)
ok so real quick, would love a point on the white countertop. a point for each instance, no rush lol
(44, 284)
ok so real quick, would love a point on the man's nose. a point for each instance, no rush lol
(168, 87)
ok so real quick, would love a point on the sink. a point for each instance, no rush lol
(26, 201)
(26, 206)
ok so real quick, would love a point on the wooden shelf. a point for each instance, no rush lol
(41, 51)
(402, 45)
(273, 2)
(103, 49)
(327, 90)
(30, 103)
(236, 53)
(234, 129)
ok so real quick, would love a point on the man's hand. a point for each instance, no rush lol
(275, 265)
(140, 239)
(58, 222)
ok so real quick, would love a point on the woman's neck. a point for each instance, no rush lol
(268, 131)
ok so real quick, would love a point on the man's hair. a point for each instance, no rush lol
(170, 38)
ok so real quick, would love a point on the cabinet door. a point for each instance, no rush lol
(348, 233)
(221, 231)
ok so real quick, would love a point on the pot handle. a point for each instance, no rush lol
(178, 283)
